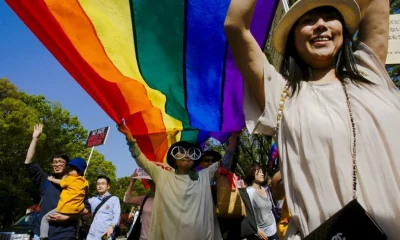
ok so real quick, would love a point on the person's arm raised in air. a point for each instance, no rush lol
(128, 198)
(36, 174)
(37, 130)
(230, 151)
(226, 161)
(137, 154)
(374, 26)
(247, 53)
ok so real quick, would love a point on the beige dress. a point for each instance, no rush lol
(182, 208)
(315, 145)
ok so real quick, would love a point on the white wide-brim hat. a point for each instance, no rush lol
(348, 8)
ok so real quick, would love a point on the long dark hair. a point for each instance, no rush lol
(295, 70)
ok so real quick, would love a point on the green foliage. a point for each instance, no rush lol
(62, 132)
(254, 150)
(120, 187)
(98, 166)
(394, 73)
(291, 2)
(394, 6)
(15, 121)
(251, 150)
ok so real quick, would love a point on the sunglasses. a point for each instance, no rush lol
(207, 159)
(180, 153)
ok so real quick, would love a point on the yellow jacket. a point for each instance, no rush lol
(73, 195)
(284, 222)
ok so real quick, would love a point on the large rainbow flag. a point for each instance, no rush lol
(160, 65)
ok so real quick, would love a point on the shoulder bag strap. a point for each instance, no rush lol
(141, 206)
(101, 204)
(284, 95)
(268, 190)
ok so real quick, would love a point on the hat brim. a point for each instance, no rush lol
(211, 153)
(347, 8)
(78, 168)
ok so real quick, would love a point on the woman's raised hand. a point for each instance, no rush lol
(125, 130)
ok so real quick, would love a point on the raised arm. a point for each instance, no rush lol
(247, 54)
(128, 198)
(226, 161)
(374, 26)
(128, 193)
(137, 154)
(230, 151)
(37, 130)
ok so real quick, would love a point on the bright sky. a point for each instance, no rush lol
(31, 67)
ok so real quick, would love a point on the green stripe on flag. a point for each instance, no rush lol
(190, 136)
(159, 39)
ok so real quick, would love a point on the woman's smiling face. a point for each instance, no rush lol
(318, 37)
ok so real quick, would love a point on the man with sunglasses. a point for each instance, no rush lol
(50, 193)
(182, 207)
(209, 157)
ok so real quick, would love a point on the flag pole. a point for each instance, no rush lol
(90, 156)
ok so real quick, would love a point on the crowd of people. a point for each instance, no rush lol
(332, 109)
(186, 197)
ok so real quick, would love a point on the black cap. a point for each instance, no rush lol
(211, 153)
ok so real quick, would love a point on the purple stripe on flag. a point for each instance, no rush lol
(233, 118)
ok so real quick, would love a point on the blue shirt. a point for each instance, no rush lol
(107, 215)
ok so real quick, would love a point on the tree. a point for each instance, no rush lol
(394, 6)
(252, 149)
(62, 132)
(99, 166)
(15, 117)
(120, 188)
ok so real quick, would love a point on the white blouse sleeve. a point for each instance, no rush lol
(264, 120)
(371, 67)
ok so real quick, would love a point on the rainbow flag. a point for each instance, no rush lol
(163, 66)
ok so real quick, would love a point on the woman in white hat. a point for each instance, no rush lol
(332, 106)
